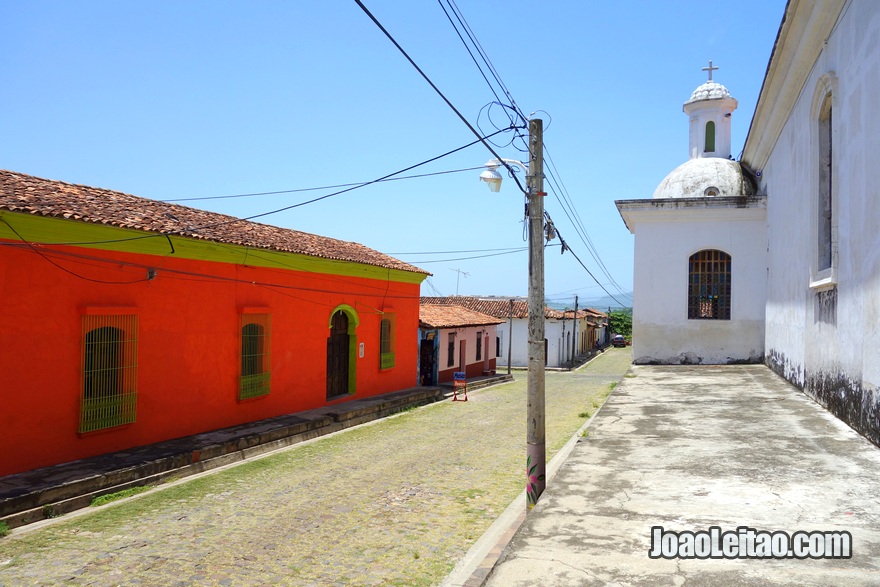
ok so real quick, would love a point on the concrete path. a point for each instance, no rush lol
(687, 448)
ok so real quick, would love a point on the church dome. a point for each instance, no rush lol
(705, 177)
(711, 90)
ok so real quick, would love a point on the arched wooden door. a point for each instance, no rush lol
(337, 356)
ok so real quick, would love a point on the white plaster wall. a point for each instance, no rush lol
(661, 329)
(519, 353)
(807, 346)
(699, 116)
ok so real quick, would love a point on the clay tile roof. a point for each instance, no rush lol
(437, 316)
(46, 197)
(499, 308)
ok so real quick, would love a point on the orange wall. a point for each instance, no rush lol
(188, 348)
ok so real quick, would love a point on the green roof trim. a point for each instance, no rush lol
(47, 230)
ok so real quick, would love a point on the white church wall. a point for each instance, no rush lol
(662, 333)
(823, 328)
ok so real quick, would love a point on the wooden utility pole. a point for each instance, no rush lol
(574, 332)
(510, 334)
(535, 431)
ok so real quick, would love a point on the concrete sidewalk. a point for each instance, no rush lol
(689, 447)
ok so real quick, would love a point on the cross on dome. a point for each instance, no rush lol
(710, 69)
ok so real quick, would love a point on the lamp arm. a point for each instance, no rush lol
(521, 165)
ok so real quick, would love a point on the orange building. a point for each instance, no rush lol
(128, 321)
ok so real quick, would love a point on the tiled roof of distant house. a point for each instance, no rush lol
(500, 307)
(438, 316)
(45, 197)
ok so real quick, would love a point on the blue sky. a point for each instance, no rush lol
(196, 99)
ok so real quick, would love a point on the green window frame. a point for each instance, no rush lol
(386, 341)
(710, 137)
(255, 353)
(109, 370)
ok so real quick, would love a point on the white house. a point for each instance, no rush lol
(815, 143)
(561, 330)
(700, 248)
(454, 339)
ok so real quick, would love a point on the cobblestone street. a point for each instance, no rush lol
(396, 502)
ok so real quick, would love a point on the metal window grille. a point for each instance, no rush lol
(450, 351)
(109, 371)
(826, 220)
(709, 274)
(256, 335)
(386, 343)
(479, 346)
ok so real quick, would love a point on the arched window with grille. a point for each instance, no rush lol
(709, 285)
(109, 371)
(256, 376)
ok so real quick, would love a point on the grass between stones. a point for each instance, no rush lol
(398, 502)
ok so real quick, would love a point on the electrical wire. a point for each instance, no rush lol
(456, 252)
(326, 187)
(180, 273)
(233, 220)
(480, 139)
(437, 90)
(565, 202)
(424, 262)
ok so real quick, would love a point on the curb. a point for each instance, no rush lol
(477, 565)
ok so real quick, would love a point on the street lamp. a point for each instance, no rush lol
(491, 175)
(535, 432)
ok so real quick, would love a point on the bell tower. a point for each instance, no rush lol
(710, 108)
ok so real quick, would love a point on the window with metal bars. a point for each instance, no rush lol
(386, 342)
(255, 355)
(709, 285)
(826, 219)
(109, 371)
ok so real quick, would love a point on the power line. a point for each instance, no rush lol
(565, 202)
(326, 187)
(233, 220)
(425, 262)
(437, 90)
(456, 252)
(179, 273)
(480, 139)
(513, 106)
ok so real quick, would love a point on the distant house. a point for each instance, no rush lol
(561, 331)
(455, 339)
(128, 321)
